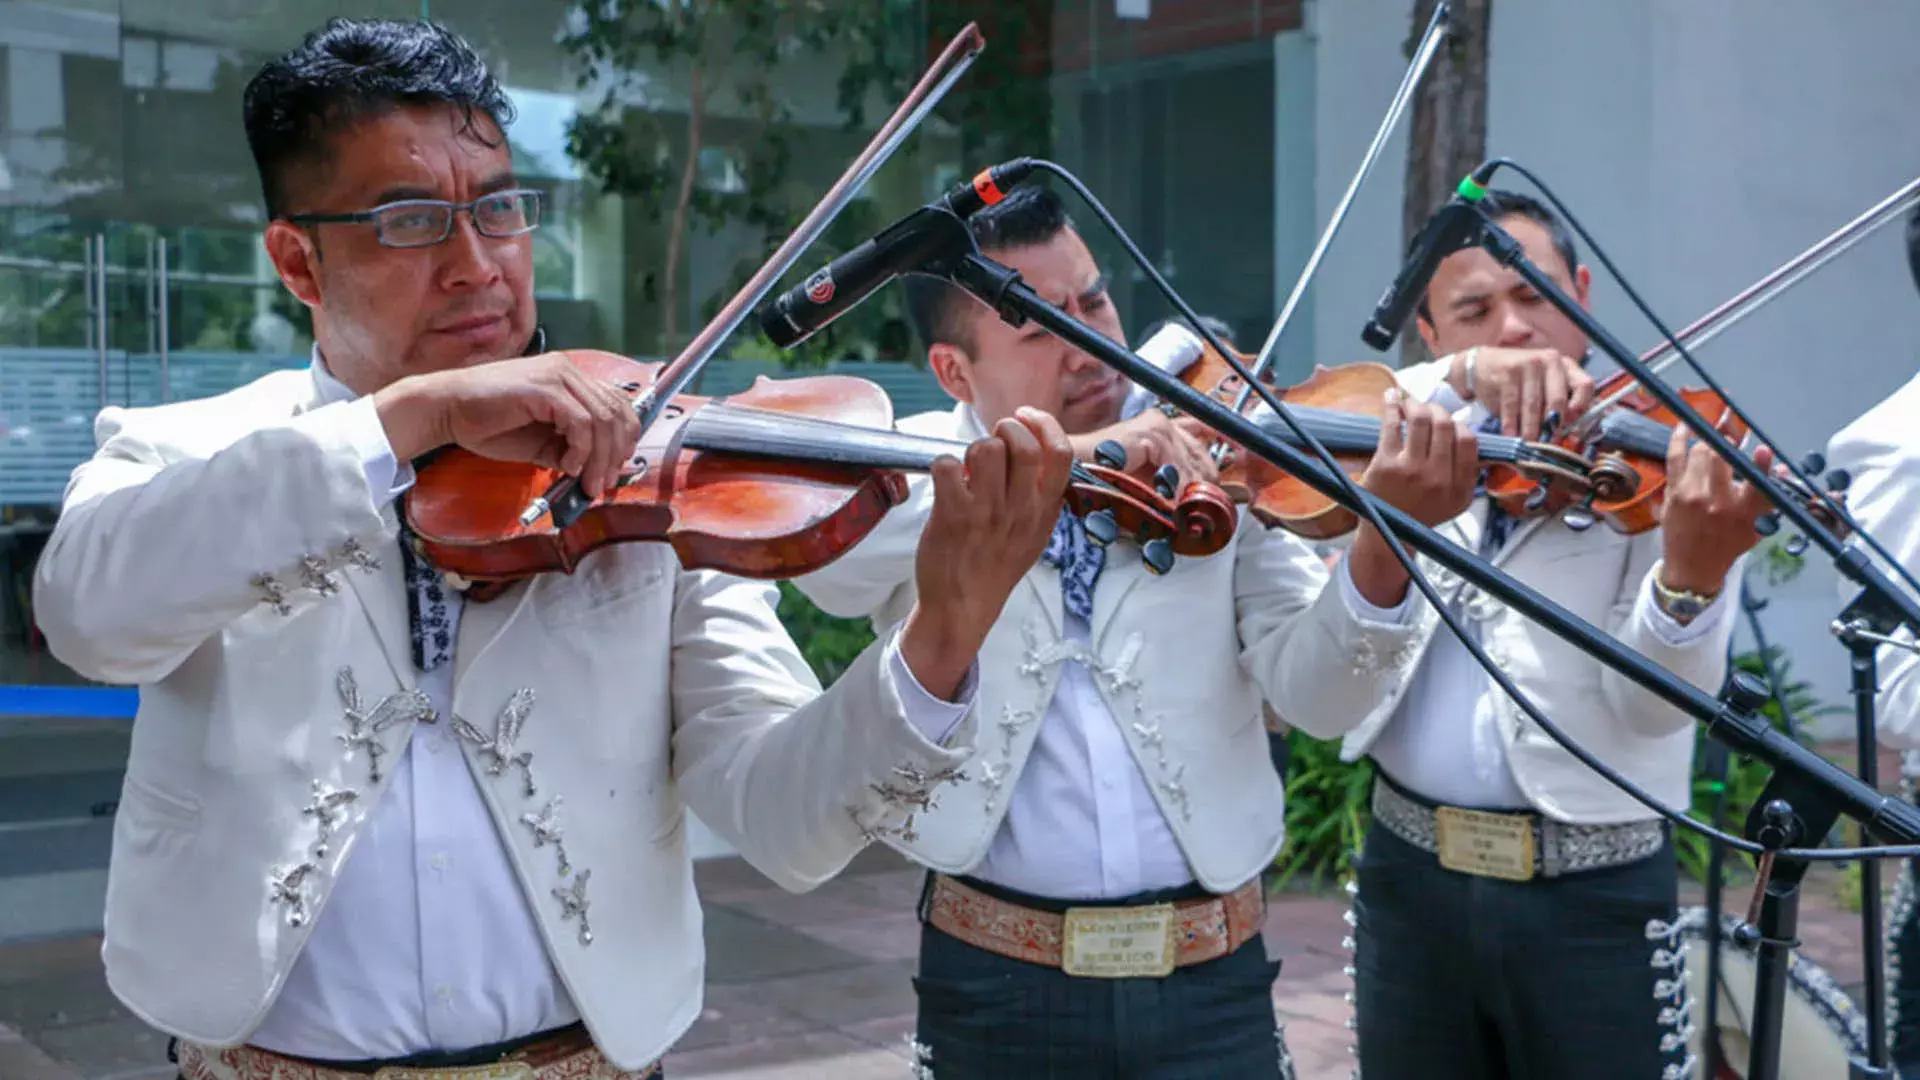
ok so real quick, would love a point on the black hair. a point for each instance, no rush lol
(1501, 204)
(351, 70)
(1913, 245)
(1031, 215)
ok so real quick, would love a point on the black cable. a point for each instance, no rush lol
(1419, 579)
(1839, 511)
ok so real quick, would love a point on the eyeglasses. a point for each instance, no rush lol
(413, 223)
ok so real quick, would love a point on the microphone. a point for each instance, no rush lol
(1452, 227)
(903, 247)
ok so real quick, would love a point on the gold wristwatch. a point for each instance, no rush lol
(1683, 605)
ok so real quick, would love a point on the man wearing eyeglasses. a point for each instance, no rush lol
(371, 824)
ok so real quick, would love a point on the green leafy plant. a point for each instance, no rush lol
(829, 644)
(1327, 811)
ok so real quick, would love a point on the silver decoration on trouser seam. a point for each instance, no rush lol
(506, 731)
(364, 726)
(1562, 848)
(1286, 1056)
(922, 1056)
(289, 886)
(546, 830)
(1350, 945)
(573, 903)
(325, 811)
(1671, 991)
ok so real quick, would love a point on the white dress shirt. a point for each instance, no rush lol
(1082, 823)
(427, 942)
(1444, 740)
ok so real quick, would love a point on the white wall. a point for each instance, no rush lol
(1703, 142)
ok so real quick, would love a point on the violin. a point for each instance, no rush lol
(1341, 407)
(773, 482)
(1626, 448)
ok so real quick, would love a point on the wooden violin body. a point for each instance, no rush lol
(1342, 408)
(773, 482)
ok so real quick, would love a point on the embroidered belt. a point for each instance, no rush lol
(565, 1055)
(1516, 847)
(1147, 941)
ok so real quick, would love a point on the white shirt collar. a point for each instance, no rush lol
(331, 388)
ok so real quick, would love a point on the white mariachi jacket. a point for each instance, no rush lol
(227, 556)
(1184, 664)
(1882, 453)
(1601, 576)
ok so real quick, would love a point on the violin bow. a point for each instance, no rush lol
(1436, 32)
(1762, 292)
(939, 78)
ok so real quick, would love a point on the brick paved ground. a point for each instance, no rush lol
(811, 987)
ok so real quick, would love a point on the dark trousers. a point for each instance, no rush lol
(1477, 978)
(1903, 959)
(983, 1016)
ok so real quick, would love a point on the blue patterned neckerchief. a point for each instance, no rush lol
(427, 620)
(1079, 561)
(1499, 523)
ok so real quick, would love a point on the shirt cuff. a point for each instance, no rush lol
(1670, 630)
(387, 477)
(1364, 611)
(931, 717)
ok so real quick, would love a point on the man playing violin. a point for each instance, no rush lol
(1094, 903)
(369, 821)
(1518, 945)
(1882, 457)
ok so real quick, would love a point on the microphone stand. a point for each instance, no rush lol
(1863, 626)
(1796, 806)
(1806, 794)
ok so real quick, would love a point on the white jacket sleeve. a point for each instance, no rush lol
(1883, 459)
(1322, 660)
(160, 546)
(797, 780)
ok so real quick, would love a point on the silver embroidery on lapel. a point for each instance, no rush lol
(991, 775)
(364, 727)
(314, 575)
(1177, 792)
(272, 594)
(573, 902)
(1119, 674)
(325, 811)
(290, 888)
(506, 732)
(354, 553)
(1011, 721)
(546, 830)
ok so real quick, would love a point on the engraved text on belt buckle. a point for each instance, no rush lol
(1490, 845)
(1119, 943)
(497, 1070)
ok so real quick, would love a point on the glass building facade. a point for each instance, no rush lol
(132, 273)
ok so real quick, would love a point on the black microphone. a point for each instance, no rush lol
(903, 247)
(1452, 227)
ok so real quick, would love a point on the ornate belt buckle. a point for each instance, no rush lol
(496, 1070)
(1118, 943)
(1489, 845)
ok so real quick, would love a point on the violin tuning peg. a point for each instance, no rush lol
(1111, 454)
(1548, 425)
(1814, 462)
(1578, 518)
(1166, 480)
(1839, 480)
(1158, 555)
(1102, 527)
(1796, 545)
(1537, 498)
(1768, 523)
